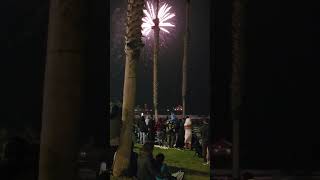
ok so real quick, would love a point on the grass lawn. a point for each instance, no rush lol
(184, 160)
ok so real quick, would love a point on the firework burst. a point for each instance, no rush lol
(150, 14)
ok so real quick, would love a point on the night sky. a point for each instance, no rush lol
(279, 121)
(170, 59)
(23, 33)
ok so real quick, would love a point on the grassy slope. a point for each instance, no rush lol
(184, 160)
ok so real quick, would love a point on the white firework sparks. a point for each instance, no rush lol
(164, 15)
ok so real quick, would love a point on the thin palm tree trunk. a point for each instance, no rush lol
(237, 80)
(132, 49)
(156, 30)
(63, 89)
(185, 60)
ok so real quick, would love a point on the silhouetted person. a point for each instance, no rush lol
(162, 168)
(159, 128)
(180, 142)
(133, 165)
(115, 129)
(3, 141)
(151, 129)
(17, 166)
(177, 127)
(103, 171)
(170, 133)
(204, 130)
(146, 167)
(247, 176)
(143, 129)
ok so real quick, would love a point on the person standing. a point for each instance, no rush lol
(170, 133)
(115, 128)
(163, 132)
(187, 133)
(151, 130)
(176, 131)
(3, 141)
(147, 120)
(103, 171)
(143, 130)
(158, 128)
(180, 142)
(204, 130)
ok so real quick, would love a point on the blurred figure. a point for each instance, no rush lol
(187, 133)
(170, 133)
(204, 130)
(3, 142)
(176, 127)
(180, 141)
(18, 164)
(146, 167)
(143, 130)
(147, 119)
(172, 116)
(103, 172)
(247, 176)
(162, 168)
(159, 131)
(115, 129)
(151, 129)
(133, 165)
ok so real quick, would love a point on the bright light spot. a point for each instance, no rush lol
(163, 15)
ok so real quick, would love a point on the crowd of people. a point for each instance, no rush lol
(144, 166)
(174, 133)
(170, 132)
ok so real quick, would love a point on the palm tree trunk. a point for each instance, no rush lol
(156, 30)
(185, 60)
(132, 49)
(63, 90)
(237, 80)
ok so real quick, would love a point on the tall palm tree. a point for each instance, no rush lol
(132, 49)
(185, 60)
(156, 30)
(63, 96)
(237, 78)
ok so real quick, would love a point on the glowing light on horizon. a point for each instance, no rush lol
(164, 15)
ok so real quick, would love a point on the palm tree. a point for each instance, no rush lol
(132, 49)
(64, 77)
(237, 79)
(156, 30)
(184, 62)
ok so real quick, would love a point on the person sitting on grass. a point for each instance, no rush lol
(146, 166)
(163, 168)
(133, 165)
